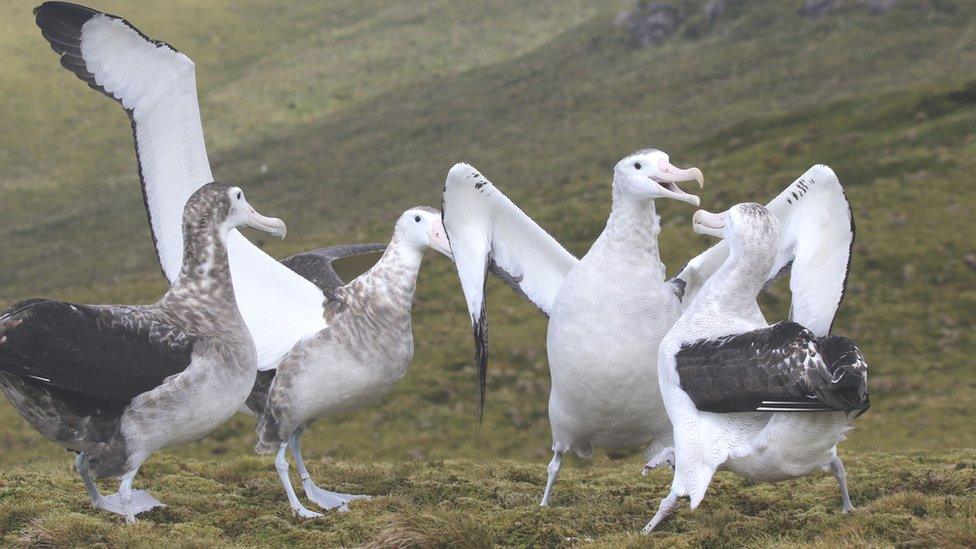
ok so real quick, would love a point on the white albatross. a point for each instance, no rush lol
(338, 346)
(609, 310)
(768, 403)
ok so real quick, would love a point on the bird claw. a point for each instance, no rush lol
(331, 500)
(142, 501)
(304, 513)
(663, 457)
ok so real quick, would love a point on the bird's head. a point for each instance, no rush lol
(751, 230)
(648, 174)
(224, 206)
(422, 228)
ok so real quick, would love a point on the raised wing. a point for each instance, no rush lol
(782, 368)
(322, 266)
(816, 238)
(490, 233)
(110, 354)
(157, 87)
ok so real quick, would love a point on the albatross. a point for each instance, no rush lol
(354, 362)
(768, 403)
(609, 310)
(336, 346)
(117, 383)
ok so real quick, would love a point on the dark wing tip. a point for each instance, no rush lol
(61, 24)
(63, 18)
(66, 12)
(480, 329)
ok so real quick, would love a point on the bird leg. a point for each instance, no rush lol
(140, 501)
(553, 472)
(664, 457)
(837, 468)
(668, 505)
(323, 498)
(281, 464)
(125, 496)
(81, 465)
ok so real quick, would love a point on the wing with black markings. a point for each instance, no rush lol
(784, 367)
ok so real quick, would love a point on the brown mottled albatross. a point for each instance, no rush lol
(116, 383)
(299, 313)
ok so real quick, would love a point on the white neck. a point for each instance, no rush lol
(730, 294)
(631, 237)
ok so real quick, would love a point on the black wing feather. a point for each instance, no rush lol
(780, 368)
(110, 354)
(318, 266)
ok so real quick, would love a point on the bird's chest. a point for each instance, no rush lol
(609, 318)
(344, 367)
(602, 346)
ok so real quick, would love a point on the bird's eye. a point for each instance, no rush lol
(417, 218)
(637, 165)
(239, 195)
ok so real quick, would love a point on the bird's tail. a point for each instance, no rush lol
(269, 439)
(845, 383)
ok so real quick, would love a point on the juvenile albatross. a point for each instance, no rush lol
(290, 307)
(766, 402)
(116, 383)
(354, 362)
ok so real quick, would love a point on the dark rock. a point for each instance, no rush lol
(970, 261)
(652, 22)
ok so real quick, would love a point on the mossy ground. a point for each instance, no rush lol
(916, 498)
(337, 116)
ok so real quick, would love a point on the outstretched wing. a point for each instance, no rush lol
(490, 233)
(157, 87)
(782, 368)
(321, 267)
(110, 354)
(816, 237)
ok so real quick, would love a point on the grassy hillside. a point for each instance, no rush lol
(337, 116)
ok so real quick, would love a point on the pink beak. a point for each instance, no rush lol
(670, 174)
(438, 239)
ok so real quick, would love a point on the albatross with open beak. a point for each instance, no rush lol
(607, 312)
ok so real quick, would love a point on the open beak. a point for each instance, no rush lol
(669, 175)
(712, 224)
(260, 222)
(438, 239)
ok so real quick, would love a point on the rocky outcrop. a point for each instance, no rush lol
(715, 8)
(652, 22)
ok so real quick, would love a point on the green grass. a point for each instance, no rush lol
(917, 498)
(357, 110)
